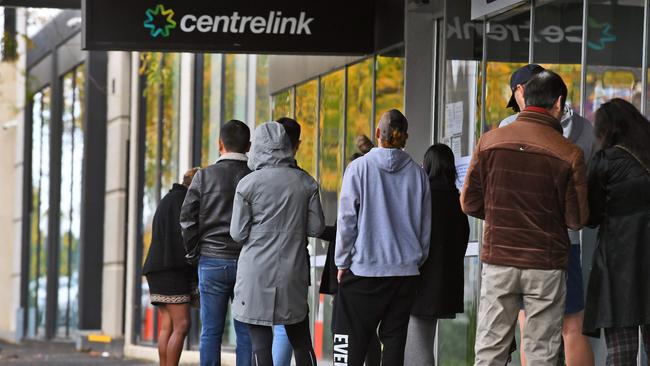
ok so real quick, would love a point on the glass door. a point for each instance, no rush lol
(458, 125)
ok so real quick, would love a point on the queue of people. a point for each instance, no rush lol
(237, 231)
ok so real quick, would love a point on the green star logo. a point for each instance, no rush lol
(162, 15)
(606, 35)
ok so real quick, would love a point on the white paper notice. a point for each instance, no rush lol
(454, 118)
(456, 144)
(462, 165)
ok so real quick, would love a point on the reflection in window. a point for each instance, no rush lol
(562, 55)
(307, 117)
(283, 104)
(389, 84)
(331, 140)
(161, 105)
(70, 217)
(41, 109)
(359, 105)
(611, 72)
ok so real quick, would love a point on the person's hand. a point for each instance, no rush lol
(340, 274)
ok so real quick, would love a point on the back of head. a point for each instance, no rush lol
(618, 122)
(189, 175)
(293, 130)
(543, 89)
(271, 146)
(235, 136)
(393, 129)
(440, 165)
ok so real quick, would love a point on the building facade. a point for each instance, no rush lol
(103, 136)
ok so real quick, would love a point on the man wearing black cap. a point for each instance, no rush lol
(382, 239)
(577, 349)
(518, 82)
(528, 183)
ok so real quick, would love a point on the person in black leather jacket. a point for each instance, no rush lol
(618, 294)
(205, 223)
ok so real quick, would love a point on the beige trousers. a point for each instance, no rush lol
(503, 289)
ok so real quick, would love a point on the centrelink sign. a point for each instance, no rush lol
(246, 26)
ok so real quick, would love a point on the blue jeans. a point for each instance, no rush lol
(282, 349)
(216, 286)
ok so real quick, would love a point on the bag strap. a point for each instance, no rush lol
(634, 156)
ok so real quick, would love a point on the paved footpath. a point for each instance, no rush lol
(56, 354)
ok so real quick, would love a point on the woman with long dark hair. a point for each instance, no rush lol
(441, 283)
(618, 296)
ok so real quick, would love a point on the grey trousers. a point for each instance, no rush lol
(419, 342)
(502, 290)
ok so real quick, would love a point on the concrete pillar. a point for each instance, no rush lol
(10, 215)
(418, 85)
(12, 143)
(118, 121)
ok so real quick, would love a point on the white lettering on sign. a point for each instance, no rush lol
(275, 23)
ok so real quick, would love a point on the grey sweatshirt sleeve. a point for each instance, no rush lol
(347, 229)
(315, 217)
(240, 225)
(425, 228)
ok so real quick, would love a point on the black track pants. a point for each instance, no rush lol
(365, 303)
(299, 337)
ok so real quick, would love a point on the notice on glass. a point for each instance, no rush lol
(462, 165)
(456, 144)
(454, 118)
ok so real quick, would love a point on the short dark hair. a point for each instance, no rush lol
(292, 128)
(236, 136)
(439, 164)
(543, 89)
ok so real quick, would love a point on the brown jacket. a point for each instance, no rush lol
(528, 183)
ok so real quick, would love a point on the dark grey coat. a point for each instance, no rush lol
(276, 207)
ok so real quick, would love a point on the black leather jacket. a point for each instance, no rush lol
(207, 211)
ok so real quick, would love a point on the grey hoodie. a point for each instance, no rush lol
(384, 217)
(275, 208)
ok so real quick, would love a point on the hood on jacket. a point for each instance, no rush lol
(271, 146)
(390, 160)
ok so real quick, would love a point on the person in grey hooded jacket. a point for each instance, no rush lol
(383, 232)
(275, 208)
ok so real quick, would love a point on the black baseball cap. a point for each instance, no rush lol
(521, 76)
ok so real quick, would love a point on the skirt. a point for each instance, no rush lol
(169, 287)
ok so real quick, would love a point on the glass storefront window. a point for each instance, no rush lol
(262, 108)
(507, 50)
(332, 109)
(557, 47)
(41, 109)
(456, 336)
(70, 217)
(459, 126)
(615, 41)
(283, 104)
(161, 104)
(307, 117)
(389, 83)
(211, 124)
(235, 91)
(359, 105)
